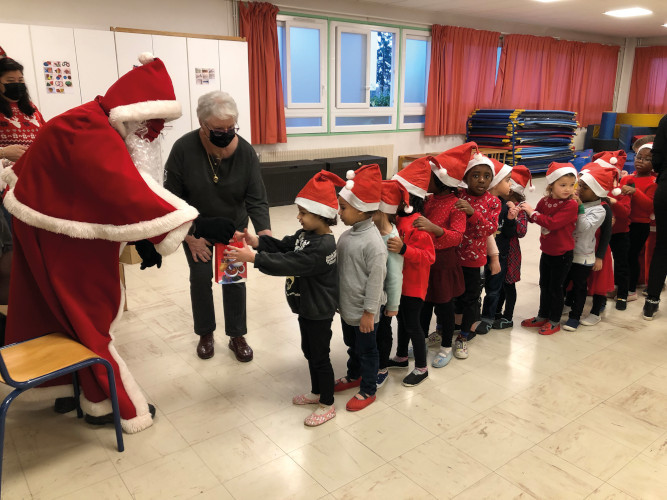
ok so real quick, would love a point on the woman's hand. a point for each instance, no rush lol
(237, 254)
(13, 152)
(199, 248)
(464, 206)
(395, 244)
(423, 224)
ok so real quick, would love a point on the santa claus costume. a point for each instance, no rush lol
(77, 196)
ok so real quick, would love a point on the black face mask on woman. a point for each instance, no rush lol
(221, 139)
(14, 91)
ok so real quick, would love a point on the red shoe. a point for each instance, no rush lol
(549, 329)
(344, 383)
(534, 323)
(356, 404)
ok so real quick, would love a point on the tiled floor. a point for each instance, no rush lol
(574, 415)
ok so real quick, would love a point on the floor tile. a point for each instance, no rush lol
(642, 478)
(493, 487)
(383, 483)
(475, 392)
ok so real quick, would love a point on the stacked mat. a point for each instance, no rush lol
(533, 138)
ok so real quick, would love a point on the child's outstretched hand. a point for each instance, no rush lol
(527, 208)
(367, 323)
(244, 254)
(395, 244)
(464, 206)
(249, 238)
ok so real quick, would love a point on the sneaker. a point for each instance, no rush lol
(644, 293)
(359, 403)
(305, 399)
(482, 328)
(549, 329)
(534, 322)
(502, 323)
(345, 383)
(591, 320)
(650, 308)
(571, 325)
(415, 377)
(441, 359)
(392, 363)
(469, 336)
(382, 378)
(461, 348)
(434, 339)
(632, 296)
(321, 415)
(621, 304)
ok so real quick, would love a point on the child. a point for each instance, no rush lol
(557, 214)
(416, 246)
(594, 182)
(385, 218)
(362, 266)
(512, 230)
(641, 187)
(482, 210)
(446, 225)
(308, 259)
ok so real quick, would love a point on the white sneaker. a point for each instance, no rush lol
(591, 320)
(434, 339)
(632, 296)
(461, 348)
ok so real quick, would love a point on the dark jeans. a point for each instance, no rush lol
(363, 357)
(658, 271)
(468, 302)
(553, 271)
(578, 275)
(444, 314)
(201, 296)
(620, 247)
(638, 235)
(599, 303)
(410, 329)
(384, 339)
(315, 341)
(493, 286)
(508, 297)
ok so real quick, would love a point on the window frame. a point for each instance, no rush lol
(412, 109)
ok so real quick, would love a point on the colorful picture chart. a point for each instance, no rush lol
(204, 76)
(58, 77)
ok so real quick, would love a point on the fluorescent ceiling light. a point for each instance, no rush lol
(630, 12)
(546, 1)
(665, 25)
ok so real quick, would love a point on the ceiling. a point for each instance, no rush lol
(573, 15)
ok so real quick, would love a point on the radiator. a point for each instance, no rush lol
(386, 150)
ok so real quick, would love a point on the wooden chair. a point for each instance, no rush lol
(25, 365)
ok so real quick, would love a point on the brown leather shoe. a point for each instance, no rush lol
(205, 349)
(241, 349)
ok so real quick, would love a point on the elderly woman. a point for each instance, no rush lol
(217, 171)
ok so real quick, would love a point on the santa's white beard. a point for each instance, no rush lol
(145, 154)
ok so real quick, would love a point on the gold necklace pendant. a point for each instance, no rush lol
(215, 179)
(214, 171)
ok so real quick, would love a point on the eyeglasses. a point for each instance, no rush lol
(229, 130)
(643, 158)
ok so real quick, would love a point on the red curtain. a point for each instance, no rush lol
(648, 90)
(258, 26)
(461, 78)
(545, 73)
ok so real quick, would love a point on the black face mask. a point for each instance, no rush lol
(221, 139)
(14, 91)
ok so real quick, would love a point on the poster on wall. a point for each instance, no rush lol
(204, 76)
(58, 77)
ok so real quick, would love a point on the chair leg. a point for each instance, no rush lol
(77, 399)
(114, 405)
(3, 414)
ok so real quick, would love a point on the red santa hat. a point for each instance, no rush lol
(450, 166)
(3, 54)
(602, 180)
(144, 93)
(416, 177)
(614, 159)
(648, 145)
(558, 170)
(500, 171)
(393, 192)
(363, 188)
(318, 196)
(479, 159)
(520, 179)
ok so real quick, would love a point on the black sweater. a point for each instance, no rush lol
(659, 150)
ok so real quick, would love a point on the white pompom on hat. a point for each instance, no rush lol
(364, 195)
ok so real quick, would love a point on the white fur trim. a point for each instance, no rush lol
(352, 199)
(648, 145)
(387, 208)
(349, 184)
(480, 159)
(142, 111)
(604, 163)
(616, 191)
(131, 426)
(315, 207)
(516, 187)
(593, 183)
(8, 176)
(560, 172)
(412, 189)
(504, 172)
(95, 409)
(146, 57)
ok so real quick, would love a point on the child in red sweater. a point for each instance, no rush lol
(416, 247)
(557, 214)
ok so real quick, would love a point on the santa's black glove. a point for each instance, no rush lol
(214, 229)
(149, 256)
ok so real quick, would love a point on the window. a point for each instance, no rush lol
(416, 47)
(302, 48)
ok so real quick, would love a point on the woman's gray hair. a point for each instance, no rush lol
(217, 104)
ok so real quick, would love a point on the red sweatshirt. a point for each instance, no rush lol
(558, 219)
(481, 224)
(418, 257)
(641, 206)
(439, 209)
(621, 212)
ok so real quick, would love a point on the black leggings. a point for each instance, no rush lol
(553, 271)
(444, 314)
(638, 234)
(578, 275)
(658, 271)
(410, 329)
(315, 341)
(620, 247)
(508, 298)
(468, 302)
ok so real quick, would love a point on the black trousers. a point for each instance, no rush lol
(384, 339)
(658, 271)
(553, 271)
(410, 329)
(578, 276)
(508, 298)
(444, 314)
(599, 303)
(468, 303)
(315, 342)
(638, 235)
(201, 296)
(620, 248)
